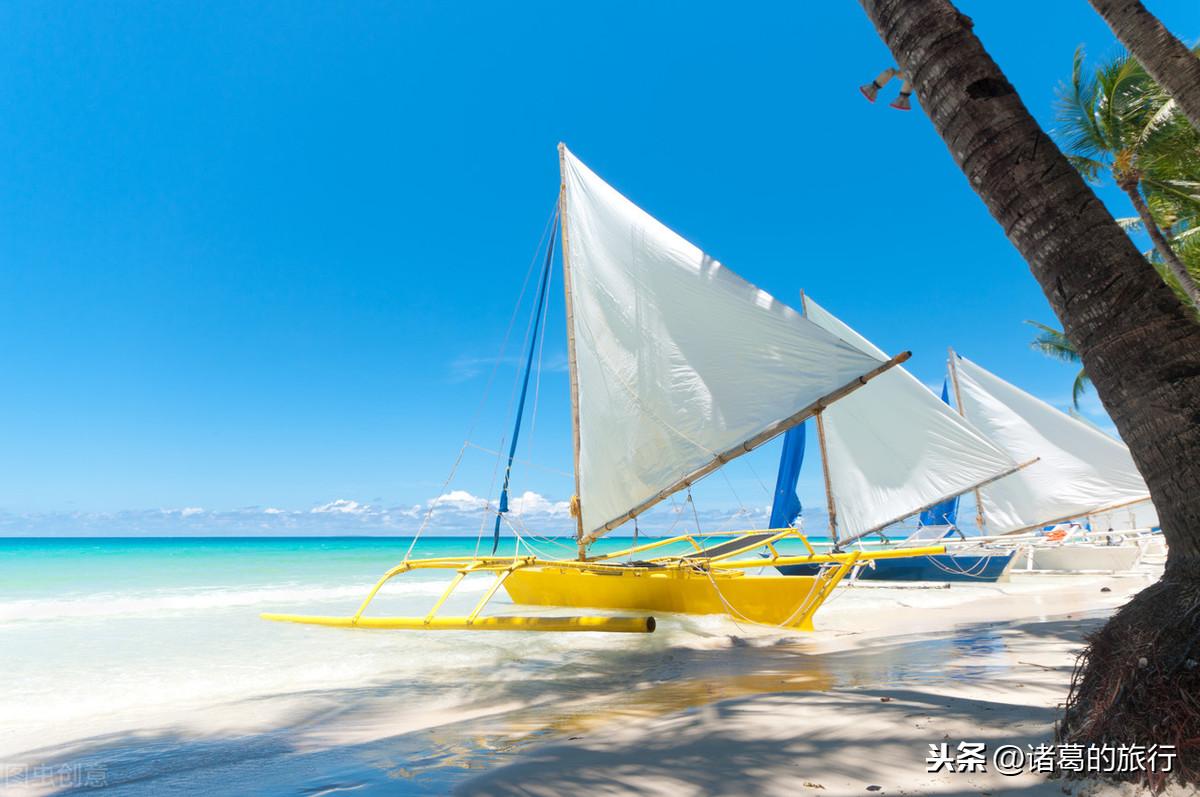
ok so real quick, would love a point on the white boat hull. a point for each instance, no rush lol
(1075, 558)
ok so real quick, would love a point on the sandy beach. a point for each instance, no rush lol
(539, 399)
(894, 681)
(703, 706)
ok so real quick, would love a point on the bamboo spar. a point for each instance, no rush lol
(984, 483)
(772, 431)
(830, 504)
(1065, 518)
(958, 400)
(573, 371)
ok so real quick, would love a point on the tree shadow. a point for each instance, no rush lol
(518, 723)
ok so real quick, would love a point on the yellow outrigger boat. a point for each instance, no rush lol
(677, 366)
(709, 581)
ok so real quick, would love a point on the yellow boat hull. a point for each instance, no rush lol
(770, 600)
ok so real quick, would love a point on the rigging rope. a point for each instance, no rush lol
(537, 384)
(695, 514)
(488, 386)
(534, 323)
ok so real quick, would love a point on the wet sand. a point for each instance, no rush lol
(705, 708)
(855, 712)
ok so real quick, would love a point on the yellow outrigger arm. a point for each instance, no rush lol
(503, 567)
(709, 581)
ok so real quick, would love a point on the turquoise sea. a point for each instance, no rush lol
(141, 667)
(147, 657)
(53, 579)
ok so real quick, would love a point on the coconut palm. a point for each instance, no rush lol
(1138, 343)
(1118, 122)
(1053, 343)
(1166, 58)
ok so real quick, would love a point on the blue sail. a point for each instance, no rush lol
(533, 337)
(786, 506)
(945, 513)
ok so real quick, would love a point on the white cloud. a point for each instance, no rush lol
(531, 503)
(342, 505)
(455, 512)
(458, 499)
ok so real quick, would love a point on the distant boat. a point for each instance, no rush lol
(1082, 475)
(891, 451)
(677, 366)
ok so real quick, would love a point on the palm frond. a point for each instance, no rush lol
(1075, 112)
(1158, 120)
(1089, 168)
(1082, 381)
(1053, 343)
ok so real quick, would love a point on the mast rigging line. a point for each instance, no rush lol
(546, 228)
(512, 320)
(537, 382)
(528, 462)
(535, 324)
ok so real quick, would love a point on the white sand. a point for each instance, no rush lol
(701, 707)
(1006, 689)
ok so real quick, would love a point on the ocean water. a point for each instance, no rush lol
(144, 663)
(103, 640)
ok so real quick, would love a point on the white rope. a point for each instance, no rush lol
(761, 483)
(433, 503)
(518, 460)
(805, 602)
(488, 386)
(537, 384)
(487, 502)
(512, 320)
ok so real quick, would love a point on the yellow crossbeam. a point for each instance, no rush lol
(861, 556)
(619, 625)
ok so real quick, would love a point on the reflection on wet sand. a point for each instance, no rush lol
(571, 706)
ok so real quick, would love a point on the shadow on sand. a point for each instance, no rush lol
(548, 728)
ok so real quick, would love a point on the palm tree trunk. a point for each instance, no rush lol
(1168, 60)
(1136, 342)
(1161, 244)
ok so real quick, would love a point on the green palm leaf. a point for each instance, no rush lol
(1053, 343)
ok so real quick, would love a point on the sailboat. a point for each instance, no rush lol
(677, 367)
(889, 452)
(1082, 475)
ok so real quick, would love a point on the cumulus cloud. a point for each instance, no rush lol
(455, 512)
(458, 499)
(342, 505)
(531, 503)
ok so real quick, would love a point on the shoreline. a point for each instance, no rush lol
(767, 712)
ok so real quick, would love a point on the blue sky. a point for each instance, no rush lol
(257, 259)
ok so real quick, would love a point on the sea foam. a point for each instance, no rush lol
(157, 603)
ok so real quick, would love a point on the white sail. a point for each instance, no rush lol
(1125, 518)
(1081, 470)
(894, 448)
(678, 359)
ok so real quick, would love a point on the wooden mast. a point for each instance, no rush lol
(958, 401)
(576, 501)
(829, 503)
(830, 506)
